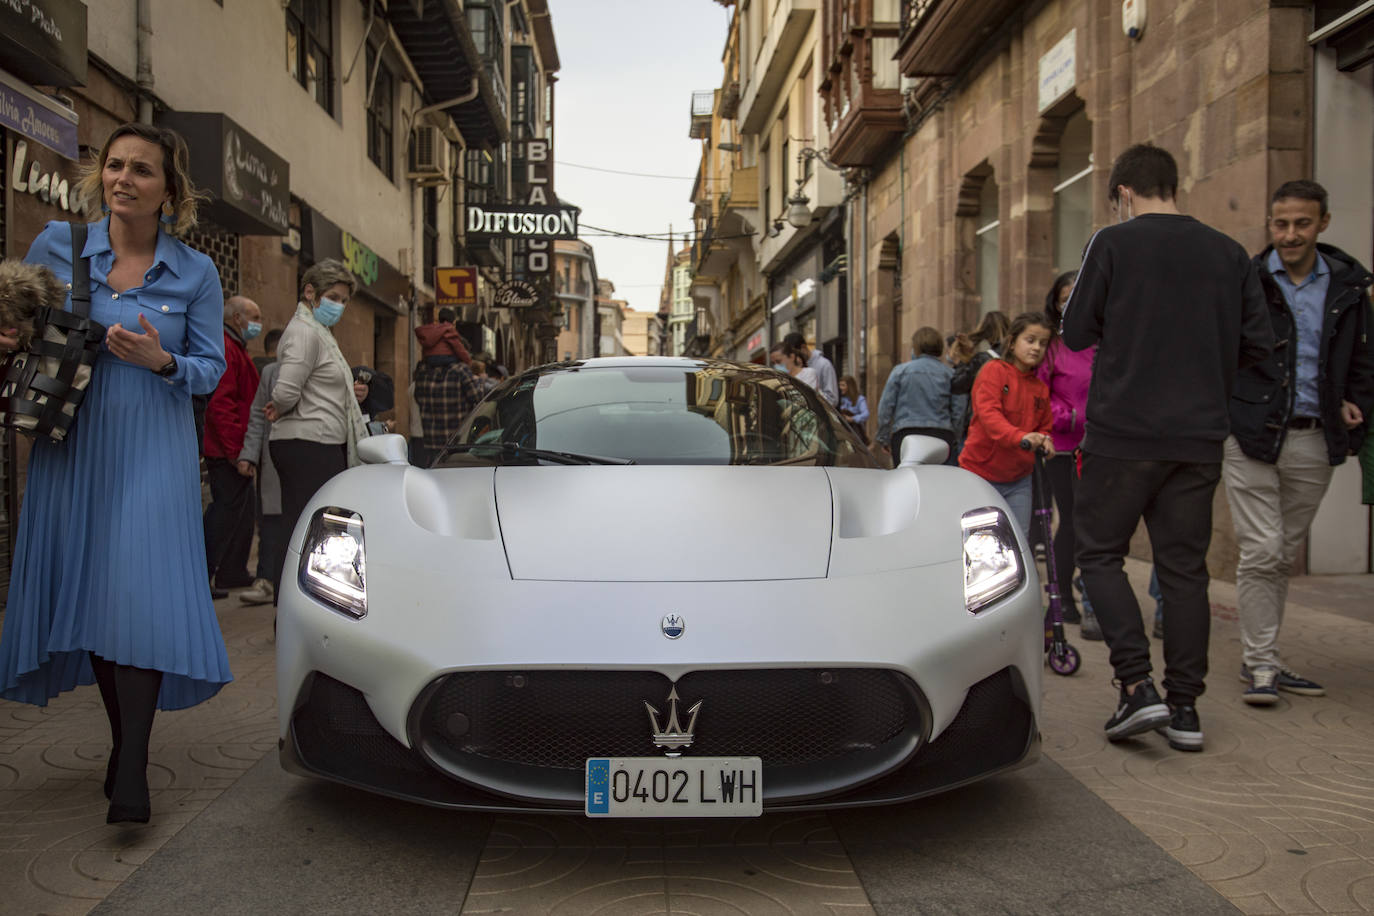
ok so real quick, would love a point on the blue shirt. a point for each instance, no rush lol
(859, 411)
(1307, 301)
(180, 296)
(916, 395)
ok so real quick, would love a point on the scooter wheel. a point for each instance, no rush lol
(1064, 663)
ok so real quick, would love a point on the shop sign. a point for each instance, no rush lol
(1058, 70)
(455, 286)
(516, 294)
(360, 259)
(44, 41)
(49, 187)
(34, 115)
(251, 184)
(537, 190)
(754, 342)
(522, 222)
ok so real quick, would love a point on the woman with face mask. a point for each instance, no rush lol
(316, 421)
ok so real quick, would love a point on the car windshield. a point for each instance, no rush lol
(703, 413)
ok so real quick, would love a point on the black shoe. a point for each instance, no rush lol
(1139, 712)
(1183, 729)
(1070, 614)
(128, 814)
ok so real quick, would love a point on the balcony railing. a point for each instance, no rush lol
(913, 13)
(703, 103)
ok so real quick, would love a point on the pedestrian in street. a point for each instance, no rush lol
(255, 458)
(229, 517)
(826, 382)
(440, 338)
(1174, 307)
(479, 373)
(1282, 448)
(1066, 373)
(776, 359)
(375, 391)
(799, 370)
(445, 392)
(916, 400)
(316, 421)
(854, 406)
(269, 347)
(109, 581)
(1011, 417)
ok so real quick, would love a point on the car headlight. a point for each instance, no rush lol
(992, 559)
(333, 568)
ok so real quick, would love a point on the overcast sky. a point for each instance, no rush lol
(623, 101)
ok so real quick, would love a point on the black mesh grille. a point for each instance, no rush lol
(560, 718)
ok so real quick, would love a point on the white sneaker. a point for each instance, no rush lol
(260, 593)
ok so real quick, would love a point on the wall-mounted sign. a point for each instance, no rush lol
(32, 114)
(455, 286)
(35, 178)
(44, 41)
(377, 280)
(1058, 70)
(535, 188)
(251, 184)
(522, 222)
(516, 294)
(360, 259)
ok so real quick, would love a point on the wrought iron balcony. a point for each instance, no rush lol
(703, 103)
(940, 36)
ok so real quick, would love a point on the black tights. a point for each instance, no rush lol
(130, 698)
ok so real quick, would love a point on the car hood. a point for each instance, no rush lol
(664, 524)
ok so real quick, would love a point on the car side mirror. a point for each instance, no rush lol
(390, 448)
(918, 450)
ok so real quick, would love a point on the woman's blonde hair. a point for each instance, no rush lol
(176, 171)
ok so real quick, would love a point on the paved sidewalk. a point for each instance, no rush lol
(1277, 815)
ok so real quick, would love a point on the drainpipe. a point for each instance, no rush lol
(863, 285)
(144, 42)
(468, 96)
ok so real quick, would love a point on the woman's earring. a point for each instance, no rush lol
(169, 215)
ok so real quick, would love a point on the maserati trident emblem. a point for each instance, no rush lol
(673, 626)
(672, 735)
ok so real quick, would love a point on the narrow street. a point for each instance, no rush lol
(1276, 816)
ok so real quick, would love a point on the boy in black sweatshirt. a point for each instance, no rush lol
(1175, 308)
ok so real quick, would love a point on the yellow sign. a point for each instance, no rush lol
(455, 285)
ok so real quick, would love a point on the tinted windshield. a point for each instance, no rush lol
(690, 414)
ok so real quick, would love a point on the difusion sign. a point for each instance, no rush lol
(522, 222)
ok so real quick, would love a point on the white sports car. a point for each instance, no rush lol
(657, 587)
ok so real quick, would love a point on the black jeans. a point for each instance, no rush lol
(271, 546)
(303, 467)
(1175, 499)
(228, 523)
(1063, 475)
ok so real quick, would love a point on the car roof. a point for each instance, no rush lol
(639, 362)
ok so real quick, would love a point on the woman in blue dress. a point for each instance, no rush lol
(109, 580)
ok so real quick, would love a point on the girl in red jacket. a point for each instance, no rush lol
(1011, 407)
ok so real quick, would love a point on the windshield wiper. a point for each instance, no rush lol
(515, 449)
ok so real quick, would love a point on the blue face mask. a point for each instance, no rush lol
(253, 330)
(781, 367)
(329, 312)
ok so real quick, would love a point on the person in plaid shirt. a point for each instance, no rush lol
(445, 392)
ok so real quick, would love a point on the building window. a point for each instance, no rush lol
(310, 48)
(380, 116)
(987, 245)
(479, 175)
(1073, 192)
(430, 217)
(525, 94)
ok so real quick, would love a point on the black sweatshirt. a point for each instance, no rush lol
(1176, 307)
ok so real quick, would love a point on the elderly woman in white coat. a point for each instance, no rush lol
(316, 421)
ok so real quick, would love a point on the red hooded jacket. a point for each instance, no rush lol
(1007, 404)
(441, 339)
(226, 416)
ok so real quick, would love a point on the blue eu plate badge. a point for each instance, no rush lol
(598, 786)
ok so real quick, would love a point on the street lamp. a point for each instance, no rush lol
(799, 205)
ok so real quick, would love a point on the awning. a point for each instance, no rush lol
(251, 184)
(44, 41)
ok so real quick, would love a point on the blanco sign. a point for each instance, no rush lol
(1058, 70)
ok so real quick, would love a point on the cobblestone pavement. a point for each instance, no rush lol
(1276, 816)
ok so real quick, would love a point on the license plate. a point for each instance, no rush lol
(674, 787)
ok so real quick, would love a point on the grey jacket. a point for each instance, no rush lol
(255, 443)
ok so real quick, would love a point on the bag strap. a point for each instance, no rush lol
(81, 273)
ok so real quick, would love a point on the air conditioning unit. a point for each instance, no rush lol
(429, 153)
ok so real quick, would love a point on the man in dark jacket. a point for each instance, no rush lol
(229, 517)
(1293, 418)
(1175, 307)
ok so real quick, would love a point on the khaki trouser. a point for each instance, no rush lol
(1272, 506)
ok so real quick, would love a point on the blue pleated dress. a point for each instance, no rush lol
(110, 552)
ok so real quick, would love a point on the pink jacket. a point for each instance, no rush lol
(1067, 373)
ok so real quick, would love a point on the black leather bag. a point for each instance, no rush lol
(42, 388)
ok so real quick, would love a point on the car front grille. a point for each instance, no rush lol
(850, 723)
